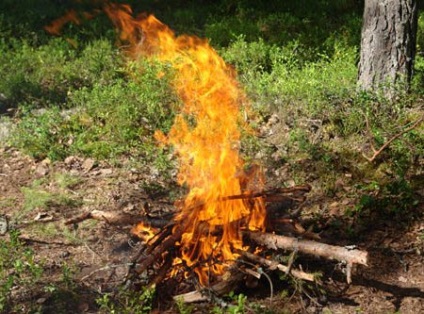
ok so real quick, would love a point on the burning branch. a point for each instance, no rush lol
(275, 195)
(153, 255)
(295, 193)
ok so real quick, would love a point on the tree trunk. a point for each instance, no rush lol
(388, 45)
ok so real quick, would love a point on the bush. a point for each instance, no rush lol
(104, 122)
(18, 268)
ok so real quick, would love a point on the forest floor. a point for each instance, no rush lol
(37, 197)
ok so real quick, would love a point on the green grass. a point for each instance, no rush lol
(22, 278)
(103, 122)
(38, 197)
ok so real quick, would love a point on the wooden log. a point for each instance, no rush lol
(295, 193)
(343, 254)
(273, 241)
(159, 248)
(165, 233)
(118, 219)
(162, 272)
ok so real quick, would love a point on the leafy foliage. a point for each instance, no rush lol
(127, 302)
(18, 268)
(102, 122)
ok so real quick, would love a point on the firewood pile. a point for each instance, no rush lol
(159, 258)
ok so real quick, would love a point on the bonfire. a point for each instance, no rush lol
(223, 218)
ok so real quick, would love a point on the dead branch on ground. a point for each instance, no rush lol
(386, 144)
(117, 218)
(343, 254)
(274, 265)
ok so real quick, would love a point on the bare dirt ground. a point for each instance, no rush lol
(37, 197)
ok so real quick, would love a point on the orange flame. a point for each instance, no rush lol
(144, 232)
(206, 137)
(56, 26)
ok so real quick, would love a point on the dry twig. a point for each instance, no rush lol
(274, 265)
(385, 145)
(117, 218)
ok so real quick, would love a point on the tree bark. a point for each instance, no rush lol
(388, 45)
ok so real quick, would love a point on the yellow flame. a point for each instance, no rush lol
(144, 232)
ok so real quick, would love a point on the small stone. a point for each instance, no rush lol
(403, 279)
(88, 164)
(4, 225)
(105, 172)
(70, 160)
(41, 170)
(41, 300)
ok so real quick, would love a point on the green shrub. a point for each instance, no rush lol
(275, 77)
(105, 122)
(127, 302)
(43, 76)
(420, 34)
(18, 268)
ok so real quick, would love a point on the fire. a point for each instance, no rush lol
(205, 137)
(144, 232)
(55, 27)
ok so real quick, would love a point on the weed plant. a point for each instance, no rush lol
(127, 302)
